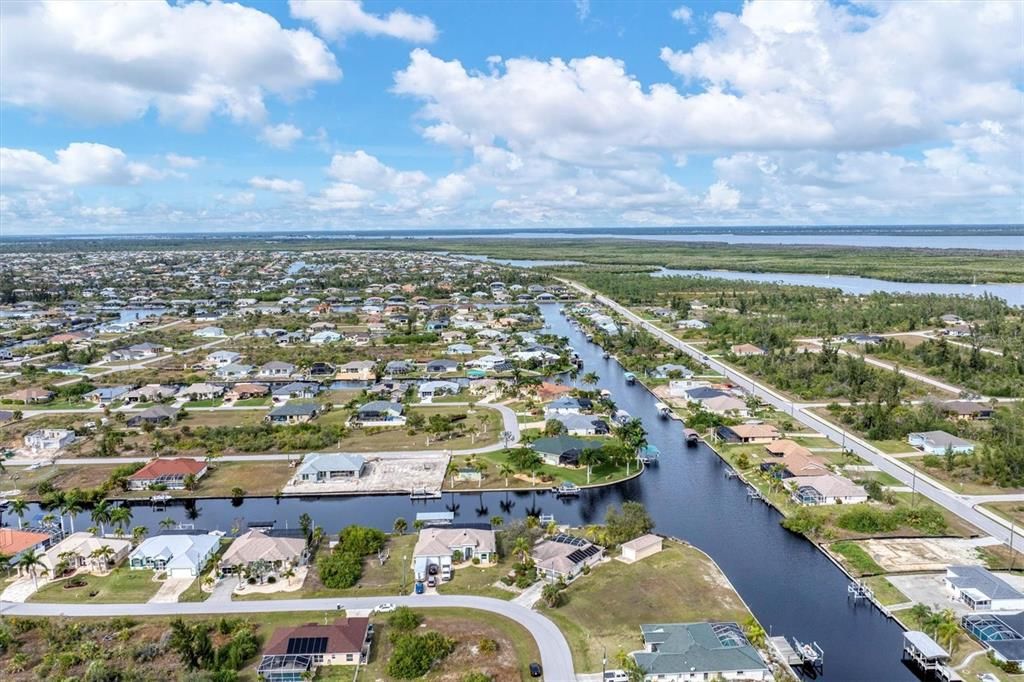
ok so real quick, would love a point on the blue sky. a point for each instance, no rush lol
(343, 115)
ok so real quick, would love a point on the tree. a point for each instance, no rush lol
(306, 524)
(755, 633)
(404, 619)
(168, 523)
(414, 655)
(339, 570)
(101, 514)
(138, 533)
(552, 594)
(72, 506)
(497, 521)
(629, 523)
(399, 526)
(591, 378)
(19, 507)
(190, 481)
(121, 517)
(589, 458)
(505, 470)
(101, 556)
(553, 427)
(521, 548)
(31, 560)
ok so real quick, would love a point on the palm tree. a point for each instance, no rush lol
(30, 560)
(948, 629)
(121, 516)
(754, 632)
(288, 573)
(101, 557)
(72, 506)
(522, 548)
(19, 507)
(168, 523)
(481, 468)
(101, 515)
(591, 378)
(589, 457)
(138, 533)
(505, 469)
(497, 521)
(452, 469)
(399, 526)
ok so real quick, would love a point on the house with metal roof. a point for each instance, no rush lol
(939, 443)
(674, 652)
(321, 468)
(981, 590)
(381, 411)
(181, 556)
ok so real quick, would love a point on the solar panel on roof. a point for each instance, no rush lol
(569, 540)
(307, 645)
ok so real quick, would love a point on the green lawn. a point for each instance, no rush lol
(60, 405)
(479, 581)
(892, 447)
(887, 593)
(855, 558)
(204, 403)
(122, 585)
(604, 609)
(547, 476)
(253, 402)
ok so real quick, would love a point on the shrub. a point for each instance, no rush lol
(252, 581)
(488, 646)
(271, 580)
(803, 522)
(457, 556)
(476, 561)
(743, 461)
(404, 619)
(477, 676)
(361, 541)
(414, 655)
(932, 461)
(339, 569)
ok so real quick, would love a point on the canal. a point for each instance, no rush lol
(792, 588)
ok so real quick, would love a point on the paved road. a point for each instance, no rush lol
(926, 486)
(554, 650)
(510, 423)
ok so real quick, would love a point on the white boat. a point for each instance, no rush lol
(662, 409)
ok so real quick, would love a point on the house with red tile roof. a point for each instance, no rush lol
(167, 472)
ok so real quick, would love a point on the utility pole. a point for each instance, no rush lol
(1013, 557)
(405, 566)
(913, 489)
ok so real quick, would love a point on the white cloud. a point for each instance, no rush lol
(683, 14)
(582, 9)
(79, 164)
(339, 19)
(360, 168)
(281, 136)
(721, 197)
(109, 62)
(180, 161)
(277, 185)
(101, 212)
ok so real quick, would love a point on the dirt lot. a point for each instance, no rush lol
(921, 554)
(390, 474)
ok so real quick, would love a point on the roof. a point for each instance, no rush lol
(784, 446)
(256, 545)
(179, 551)
(343, 636)
(83, 544)
(178, 466)
(314, 462)
(643, 542)
(158, 412)
(830, 485)
(980, 579)
(439, 541)
(295, 410)
(696, 648)
(925, 644)
(557, 445)
(562, 553)
(16, 541)
(941, 439)
(381, 406)
(754, 430)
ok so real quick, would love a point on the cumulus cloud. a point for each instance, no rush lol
(278, 185)
(721, 197)
(281, 136)
(109, 62)
(683, 14)
(339, 19)
(180, 161)
(79, 164)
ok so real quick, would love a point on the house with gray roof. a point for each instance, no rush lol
(981, 590)
(674, 652)
(939, 443)
(320, 468)
(293, 413)
(377, 411)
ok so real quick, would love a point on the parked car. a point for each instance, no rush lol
(535, 670)
(384, 608)
(419, 588)
(432, 569)
(431, 581)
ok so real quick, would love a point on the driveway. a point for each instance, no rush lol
(554, 650)
(170, 589)
(21, 589)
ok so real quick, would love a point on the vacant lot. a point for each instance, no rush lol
(122, 585)
(604, 609)
(257, 479)
(383, 474)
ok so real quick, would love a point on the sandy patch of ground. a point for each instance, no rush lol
(282, 585)
(383, 475)
(921, 554)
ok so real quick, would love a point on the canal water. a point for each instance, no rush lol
(792, 588)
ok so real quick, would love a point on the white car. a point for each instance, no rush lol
(384, 608)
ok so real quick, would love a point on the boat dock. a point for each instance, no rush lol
(928, 656)
(429, 519)
(801, 655)
(424, 494)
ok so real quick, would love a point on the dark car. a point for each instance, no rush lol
(432, 569)
(535, 670)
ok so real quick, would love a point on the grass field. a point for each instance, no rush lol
(253, 402)
(960, 480)
(604, 609)
(853, 556)
(478, 580)
(257, 479)
(548, 475)
(122, 585)
(885, 591)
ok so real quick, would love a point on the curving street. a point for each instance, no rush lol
(555, 655)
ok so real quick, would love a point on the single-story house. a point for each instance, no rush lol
(256, 546)
(397, 367)
(29, 396)
(318, 468)
(201, 391)
(49, 439)
(150, 393)
(743, 350)
(441, 366)
(678, 652)
(430, 389)
(169, 472)
(155, 415)
(583, 425)
(139, 351)
(293, 413)
(564, 556)
(209, 332)
(794, 460)
(14, 543)
(276, 368)
(220, 358)
(66, 368)
(296, 389)
(980, 590)
(827, 489)
(672, 371)
(549, 391)
(1000, 633)
(563, 405)
(358, 370)
(437, 546)
(641, 547)
(235, 370)
(748, 433)
(181, 556)
(459, 349)
(248, 391)
(562, 450)
(321, 369)
(863, 339)
(939, 443)
(106, 394)
(293, 654)
(324, 337)
(381, 411)
(965, 409)
(86, 550)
